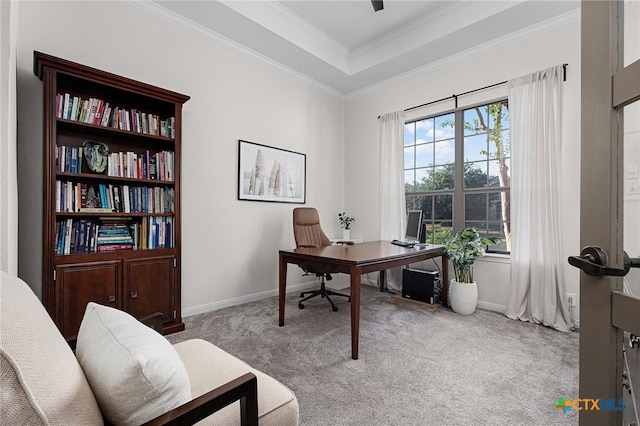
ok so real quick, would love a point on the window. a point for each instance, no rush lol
(457, 171)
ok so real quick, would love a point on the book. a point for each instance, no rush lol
(126, 206)
(83, 111)
(80, 158)
(153, 168)
(92, 110)
(75, 108)
(117, 205)
(114, 247)
(113, 231)
(60, 233)
(59, 102)
(83, 196)
(95, 210)
(82, 236)
(67, 236)
(74, 160)
(104, 121)
(66, 108)
(104, 201)
(96, 117)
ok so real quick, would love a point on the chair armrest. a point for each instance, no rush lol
(244, 389)
(154, 321)
(349, 243)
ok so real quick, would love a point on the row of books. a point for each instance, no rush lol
(69, 159)
(98, 112)
(107, 198)
(145, 165)
(158, 166)
(76, 236)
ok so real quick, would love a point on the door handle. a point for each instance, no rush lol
(634, 341)
(593, 261)
(133, 294)
(112, 299)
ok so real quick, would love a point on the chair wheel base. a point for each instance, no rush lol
(300, 305)
(335, 308)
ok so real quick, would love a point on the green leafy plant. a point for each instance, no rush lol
(345, 220)
(464, 249)
(439, 236)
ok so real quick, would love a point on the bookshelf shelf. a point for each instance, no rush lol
(105, 178)
(112, 157)
(87, 128)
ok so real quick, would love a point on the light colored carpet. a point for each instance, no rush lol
(417, 366)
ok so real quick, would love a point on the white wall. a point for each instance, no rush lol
(555, 43)
(230, 247)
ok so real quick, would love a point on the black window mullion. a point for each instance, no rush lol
(458, 193)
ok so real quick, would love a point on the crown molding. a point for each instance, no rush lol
(446, 20)
(495, 44)
(173, 18)
(286, 24)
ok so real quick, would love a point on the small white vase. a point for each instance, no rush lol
(346, 234)
(463, 297)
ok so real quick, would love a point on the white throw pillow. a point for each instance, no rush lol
(134, 372)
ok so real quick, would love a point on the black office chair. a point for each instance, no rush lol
(308, 233)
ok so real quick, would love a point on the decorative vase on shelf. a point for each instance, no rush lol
(463, 297)
(346, 234)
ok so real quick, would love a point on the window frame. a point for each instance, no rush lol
(459, 192)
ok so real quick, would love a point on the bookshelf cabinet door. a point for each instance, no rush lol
(150, 287)
(81, 283)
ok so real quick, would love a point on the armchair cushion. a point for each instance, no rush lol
(134, 372)
(41, 383)
(277, 404)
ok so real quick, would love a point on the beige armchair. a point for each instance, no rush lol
(44, 382)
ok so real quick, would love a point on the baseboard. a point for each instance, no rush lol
(201, 309)
(494, 307)
(209, 307)
(502, 309)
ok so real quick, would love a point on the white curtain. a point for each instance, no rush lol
(8, 125)
(537, 266)
(392, 202)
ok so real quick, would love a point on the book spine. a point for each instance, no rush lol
(114, 247)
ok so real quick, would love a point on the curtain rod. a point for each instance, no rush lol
(455, 97)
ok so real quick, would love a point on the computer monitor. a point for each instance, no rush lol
(414, 225)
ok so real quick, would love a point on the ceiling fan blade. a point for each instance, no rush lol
(377, 5)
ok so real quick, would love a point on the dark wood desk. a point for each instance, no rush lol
(356, 260)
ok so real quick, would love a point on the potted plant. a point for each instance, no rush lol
(463, 250)
(345, 224)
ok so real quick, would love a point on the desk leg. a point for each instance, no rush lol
(282, 287)
(445, 280)
(355, 310)
(382, 280)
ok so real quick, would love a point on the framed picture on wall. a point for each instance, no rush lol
(266, 173)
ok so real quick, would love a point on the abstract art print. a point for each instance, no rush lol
(270, 174)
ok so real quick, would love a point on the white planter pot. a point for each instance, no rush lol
(346, 234)
(463, 297)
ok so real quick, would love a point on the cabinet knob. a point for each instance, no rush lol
(133, 294)
(112, 299)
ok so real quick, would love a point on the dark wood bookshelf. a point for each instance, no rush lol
(140, 281)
